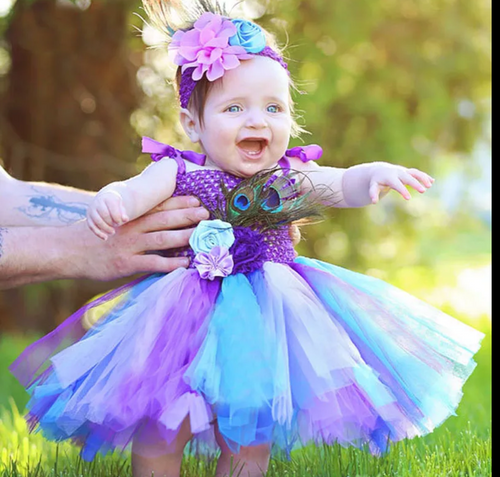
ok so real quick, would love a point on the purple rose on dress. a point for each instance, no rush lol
(248, 250)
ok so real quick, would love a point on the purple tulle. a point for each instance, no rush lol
(28, 366)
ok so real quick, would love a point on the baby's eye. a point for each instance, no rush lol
(233, 109)
(273, 108)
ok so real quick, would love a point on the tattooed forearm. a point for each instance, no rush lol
(3, 232)
(49, 208)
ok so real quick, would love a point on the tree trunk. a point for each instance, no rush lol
(66, 119)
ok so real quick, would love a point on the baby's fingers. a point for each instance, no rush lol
(394, 183)
(409, 180)
(115, 212)
(95, 229)
(98, 225)
(422, 177)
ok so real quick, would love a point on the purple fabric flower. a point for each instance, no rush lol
(248, 250)
(217, 263)
(206, 47)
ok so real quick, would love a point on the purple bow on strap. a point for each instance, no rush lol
(159, 150)
(306, 153)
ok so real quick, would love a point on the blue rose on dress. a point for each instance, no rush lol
(249, 35)
(211, 233)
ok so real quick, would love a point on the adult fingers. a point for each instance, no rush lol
(174, 203)
(172, 219)
(157, 264)
(295, 235)
(165, 240)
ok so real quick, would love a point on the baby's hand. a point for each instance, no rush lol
(389, 176)
(106, 212)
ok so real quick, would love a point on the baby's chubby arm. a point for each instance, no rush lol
(363, 184)
(120, 202)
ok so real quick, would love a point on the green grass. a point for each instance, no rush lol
(460, 447)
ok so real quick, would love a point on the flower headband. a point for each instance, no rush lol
(214, 45)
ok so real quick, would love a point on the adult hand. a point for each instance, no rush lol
(129, 250)
(295, 235)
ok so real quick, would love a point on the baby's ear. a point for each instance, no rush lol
(190, 124)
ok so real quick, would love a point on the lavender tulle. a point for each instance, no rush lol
(287, 355)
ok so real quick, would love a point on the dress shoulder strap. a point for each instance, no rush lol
(159, 150)
(305, 153)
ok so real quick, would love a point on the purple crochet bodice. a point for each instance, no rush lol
(206, 185)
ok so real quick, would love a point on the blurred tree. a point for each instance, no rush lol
(404, 81)
(71, 89)
(65, 117)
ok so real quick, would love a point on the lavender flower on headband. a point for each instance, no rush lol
(206, 47)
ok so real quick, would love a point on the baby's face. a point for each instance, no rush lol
(247, 119)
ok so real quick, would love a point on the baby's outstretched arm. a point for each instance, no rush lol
(364, 184)
(120, 202)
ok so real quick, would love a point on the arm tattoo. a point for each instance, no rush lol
(3, 232)
(50, 208)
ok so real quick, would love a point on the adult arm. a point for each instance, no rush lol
(37, 203)
(35, 254)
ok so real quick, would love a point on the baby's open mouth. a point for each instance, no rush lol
(253, 146)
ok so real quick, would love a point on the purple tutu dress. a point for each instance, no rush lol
(283, 350)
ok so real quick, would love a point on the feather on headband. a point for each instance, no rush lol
(205, 41)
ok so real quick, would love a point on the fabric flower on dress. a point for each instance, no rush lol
(211, 233)
(206, 48)
(217, 263)
(249, 250)
(248, 35)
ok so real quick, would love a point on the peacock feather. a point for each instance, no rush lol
(271, 199)
(169, 16)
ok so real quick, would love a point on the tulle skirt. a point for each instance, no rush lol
(286, 355)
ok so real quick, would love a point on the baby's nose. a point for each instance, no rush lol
(256, 119)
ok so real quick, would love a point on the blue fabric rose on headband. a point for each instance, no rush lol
(249, 35)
